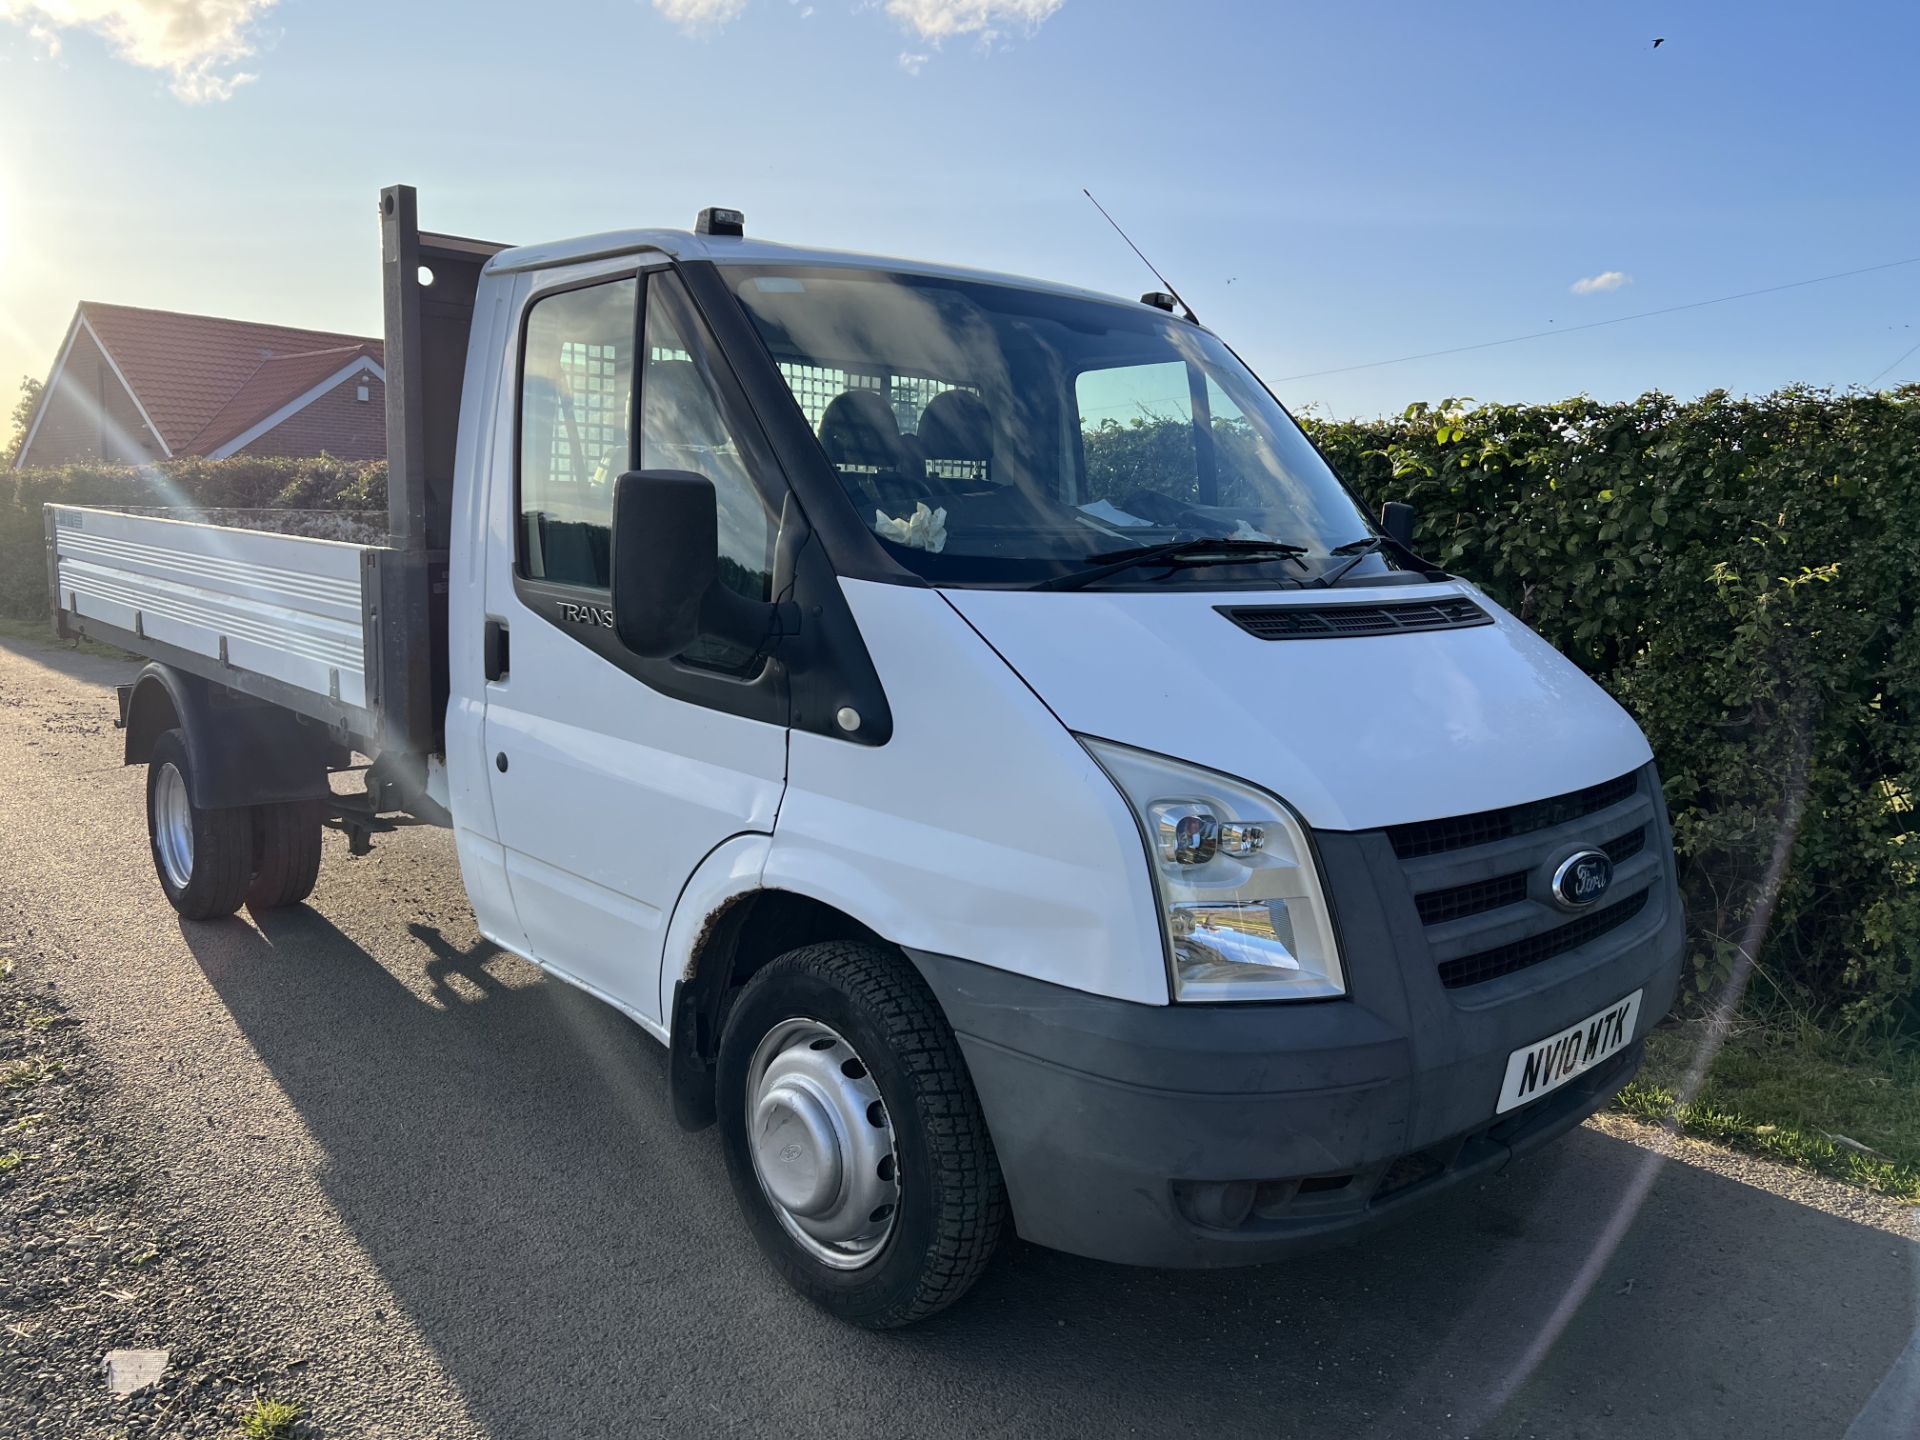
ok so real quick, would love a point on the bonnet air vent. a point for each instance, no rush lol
(1339, 622)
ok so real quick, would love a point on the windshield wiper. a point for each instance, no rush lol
(1355, 551)
(1174, 552)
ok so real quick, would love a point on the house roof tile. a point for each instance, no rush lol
(190, 370)
(272, 385)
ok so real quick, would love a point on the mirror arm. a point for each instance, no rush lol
(765, 627)
(1396, 528)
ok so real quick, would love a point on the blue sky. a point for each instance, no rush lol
(1330, 185)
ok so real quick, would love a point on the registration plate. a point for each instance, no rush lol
(1548, 1064)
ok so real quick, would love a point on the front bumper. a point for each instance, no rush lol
(1121, 1127)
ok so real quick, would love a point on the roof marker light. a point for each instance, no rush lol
(718, 220)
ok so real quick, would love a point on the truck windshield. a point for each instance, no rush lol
(996, 435)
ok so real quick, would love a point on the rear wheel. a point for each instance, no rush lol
(286, 853)
(853, 1137)
(204, 858)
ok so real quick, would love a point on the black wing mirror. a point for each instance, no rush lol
(664, 560)
(665, 570)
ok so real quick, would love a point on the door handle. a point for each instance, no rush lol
(494, 648)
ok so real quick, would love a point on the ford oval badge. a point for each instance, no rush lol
(1582, 879)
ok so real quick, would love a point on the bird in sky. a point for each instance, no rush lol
(1661, 41)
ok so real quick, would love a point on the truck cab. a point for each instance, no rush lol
(968, 722)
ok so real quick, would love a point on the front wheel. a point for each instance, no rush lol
(853, 1136)
(204, 858)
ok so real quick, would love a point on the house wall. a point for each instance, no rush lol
(88, 415)
(337, 424)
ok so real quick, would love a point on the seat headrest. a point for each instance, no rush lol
(677, 408)
(858, 428)
(956, 426)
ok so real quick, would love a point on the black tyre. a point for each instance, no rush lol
(204, 858)
(853, 1136)
(286, 853)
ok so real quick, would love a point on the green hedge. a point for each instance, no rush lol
(1743, 575)
(242, 484)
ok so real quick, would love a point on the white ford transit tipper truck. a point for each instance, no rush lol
(962, 717)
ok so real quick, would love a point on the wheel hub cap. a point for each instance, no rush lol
(173, 826)
(798, 1151)
(822, 1143)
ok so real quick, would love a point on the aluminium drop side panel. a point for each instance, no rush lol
(279, 616)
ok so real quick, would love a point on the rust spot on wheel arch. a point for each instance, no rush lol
(707, 929)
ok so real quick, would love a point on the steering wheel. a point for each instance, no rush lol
(897, 494)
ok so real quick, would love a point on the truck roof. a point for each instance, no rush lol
(722, 249)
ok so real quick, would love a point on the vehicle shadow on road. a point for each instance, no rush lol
(502, 1148)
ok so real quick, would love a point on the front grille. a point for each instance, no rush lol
(1477, 897)
(1439, 906)
(1340, 622)
(1432, 837)
(1630, 844)
(1505, 959)
(1476, 890)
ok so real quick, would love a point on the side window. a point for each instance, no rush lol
(1246, 464)
(1137, 433)
(576, 388)
(684, 426)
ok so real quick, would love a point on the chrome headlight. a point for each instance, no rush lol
(1239, 894)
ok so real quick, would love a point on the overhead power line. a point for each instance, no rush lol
(1598, 324)
(1893, 367)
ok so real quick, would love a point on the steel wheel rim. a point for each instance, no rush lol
(173, 826)
(822, 1143)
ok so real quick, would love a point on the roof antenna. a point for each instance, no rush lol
(1173, 293)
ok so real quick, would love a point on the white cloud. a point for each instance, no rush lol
(699, 16)
(199, 43)
(938, 20)
(1599, 284)
(934, 21)
(913, 63)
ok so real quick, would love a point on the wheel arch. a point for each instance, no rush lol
(243, 751)
(155, 705)
(726, 926)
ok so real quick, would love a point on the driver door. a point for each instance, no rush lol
(611, 777)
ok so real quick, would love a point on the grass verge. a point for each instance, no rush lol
(1795, 1098)
(40, 632)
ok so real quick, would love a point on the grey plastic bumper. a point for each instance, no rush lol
(1110, 1118)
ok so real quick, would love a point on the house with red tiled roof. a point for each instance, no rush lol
(133, 385)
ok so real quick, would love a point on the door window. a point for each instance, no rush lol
(577, 436)
(576, 389)
(683, 426)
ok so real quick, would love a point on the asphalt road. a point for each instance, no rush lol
(453, 1188)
